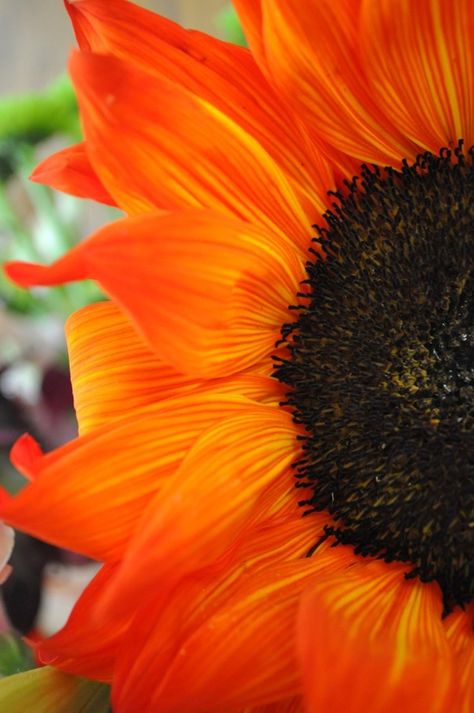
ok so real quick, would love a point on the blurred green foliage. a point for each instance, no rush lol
(15, 655)
(31, 118)
(53, 224)
(46, 690)
(229, 25)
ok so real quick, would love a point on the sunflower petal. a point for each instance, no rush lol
(88, 645)
(378, 636)
(155, 145)
(209, 293)
(343, 165)
(235, 649)
(458, 627)
(70, 171)
(290, 705)
(25, 455)
(114, 371)
(82, 646)
(251, 19)
(223, 74)
(466, 667)
(420, 62)
(99, 484)
(198, 596)
(221, 488)
(322, 76)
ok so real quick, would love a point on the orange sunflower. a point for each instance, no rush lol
(230, 363)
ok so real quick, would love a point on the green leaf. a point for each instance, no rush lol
(15, 656)
(47, 690)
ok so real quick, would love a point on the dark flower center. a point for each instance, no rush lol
(381, 369)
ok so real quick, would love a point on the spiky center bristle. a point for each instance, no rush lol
(381, 369)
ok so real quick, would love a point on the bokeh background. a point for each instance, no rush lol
(35, 36)
(37, 117)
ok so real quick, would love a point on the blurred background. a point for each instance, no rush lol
(35, 36)
(38, 116)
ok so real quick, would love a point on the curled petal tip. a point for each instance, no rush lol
(42, 171)
(25, 274)
(35, 175)
(68, 268)
(70, 171)
(25, 454)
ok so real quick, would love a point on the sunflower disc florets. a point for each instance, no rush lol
(381, 369)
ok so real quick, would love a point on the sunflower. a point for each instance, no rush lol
(263, 333)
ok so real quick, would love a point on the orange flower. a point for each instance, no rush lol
(193, 423)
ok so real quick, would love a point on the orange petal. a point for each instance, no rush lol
(70, 171)
(89, 495)
(25, 455)
(251, 19)
(459, 630)
(459, 627)
(237, 650)
(322, 75)
(372, 642)
(223, 74)
(218, 491)
(88, 647)
(419, 60)
(156, 145)
(82, 646)
(199, 596)
(209, 293)
(114, 371)
(290, 705)
(466, 668)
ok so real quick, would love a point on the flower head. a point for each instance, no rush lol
(259, 329)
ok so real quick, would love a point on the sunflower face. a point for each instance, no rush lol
(228, 359)
(382, 355)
